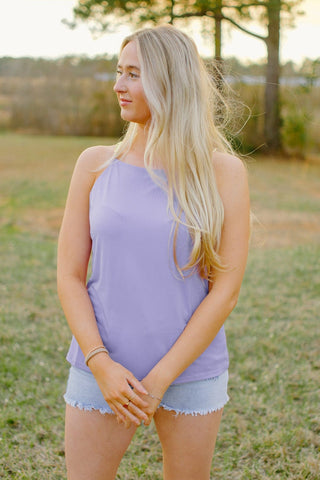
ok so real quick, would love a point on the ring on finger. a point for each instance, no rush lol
(126, 405)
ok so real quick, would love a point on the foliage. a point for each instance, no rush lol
(311, 70)
(70, 66)
(73, 67)
(270, 429)
(295, 131)
(269, 13)
(103, 15)
(73, 96)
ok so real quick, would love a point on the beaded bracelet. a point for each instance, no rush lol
(94, 352)
(154, 397)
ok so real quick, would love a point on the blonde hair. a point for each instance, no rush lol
(182, 132)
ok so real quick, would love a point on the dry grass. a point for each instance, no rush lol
(285, 198)
(271, 427)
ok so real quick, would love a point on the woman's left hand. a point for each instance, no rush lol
(156, 393)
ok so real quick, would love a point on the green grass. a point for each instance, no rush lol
(271, 426)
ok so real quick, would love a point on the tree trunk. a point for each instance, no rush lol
(218, 31)
(272, 105)
(218, 44)
(172, 4)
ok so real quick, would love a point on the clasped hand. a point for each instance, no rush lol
(128, 398)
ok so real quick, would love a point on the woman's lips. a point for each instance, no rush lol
(123, 102)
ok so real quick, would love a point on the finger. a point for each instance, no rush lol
(120, 419)
(128, 415)
(147, 423)
(119, 416)
(149, 418)
(134, 398)
(151, 411)
(128, 424)
(142, 415)
(121, 413)
(141, 411)
(137, 385)
(124, 402)
(123, 420)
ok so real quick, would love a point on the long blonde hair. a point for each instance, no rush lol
(182, 132)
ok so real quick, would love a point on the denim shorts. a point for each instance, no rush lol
(194, 398)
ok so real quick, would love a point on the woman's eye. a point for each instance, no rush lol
(129, 74)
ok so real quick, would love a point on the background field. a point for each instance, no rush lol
(74, 96)
(271, 425)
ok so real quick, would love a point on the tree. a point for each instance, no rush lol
(235, 12)
(271, 15)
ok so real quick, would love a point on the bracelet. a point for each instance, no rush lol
(154, 397)
(94, 352)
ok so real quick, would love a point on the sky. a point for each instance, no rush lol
(33, 28)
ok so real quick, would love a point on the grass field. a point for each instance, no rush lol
(271, 426)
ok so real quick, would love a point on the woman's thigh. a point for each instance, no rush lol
(188, 443)
(95, 444)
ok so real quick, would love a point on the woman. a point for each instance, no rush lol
(166, 216)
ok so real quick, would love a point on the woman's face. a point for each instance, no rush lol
(128, 87)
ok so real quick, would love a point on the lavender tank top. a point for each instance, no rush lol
(141, 302)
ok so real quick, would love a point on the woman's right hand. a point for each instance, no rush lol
(116, 384)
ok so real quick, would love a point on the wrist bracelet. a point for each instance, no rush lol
(154, 397)
(94, 352)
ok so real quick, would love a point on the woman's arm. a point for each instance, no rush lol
(212, 312)
(74, 249)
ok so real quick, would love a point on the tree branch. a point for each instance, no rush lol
(193, 14)
(247, 5)
(250, 4)
(256, 35)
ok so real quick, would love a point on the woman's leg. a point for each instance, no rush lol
(188, 443)
(94, 443)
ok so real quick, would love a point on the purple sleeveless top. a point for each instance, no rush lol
(141, 302)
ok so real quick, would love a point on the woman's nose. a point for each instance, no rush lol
(119, 86)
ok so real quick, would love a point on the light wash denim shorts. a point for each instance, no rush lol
(194, 398)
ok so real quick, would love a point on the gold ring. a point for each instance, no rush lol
(126, 404)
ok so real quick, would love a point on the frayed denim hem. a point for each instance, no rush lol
(193, 413)
(192, 398)
(104, 411)
(87, 408)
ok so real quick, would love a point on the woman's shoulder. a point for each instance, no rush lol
(228, 168)
(93, 158)
(226, 163)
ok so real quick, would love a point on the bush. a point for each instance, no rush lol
(294, 131)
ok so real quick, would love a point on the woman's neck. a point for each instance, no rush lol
(139, 144)
(137, 151)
